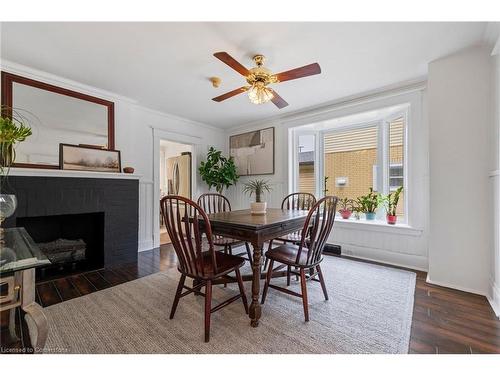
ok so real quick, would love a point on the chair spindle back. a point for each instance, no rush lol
(317, 228)
(298, 201)
(182, 219)
(213, 203)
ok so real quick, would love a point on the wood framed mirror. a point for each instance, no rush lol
(56, 115)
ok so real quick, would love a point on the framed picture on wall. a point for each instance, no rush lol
(253, 152)
(88, 158)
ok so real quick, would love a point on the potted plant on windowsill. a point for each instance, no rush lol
(218, 170)
(368, 204)
(390, 202)
(346, 208)
(257, 187)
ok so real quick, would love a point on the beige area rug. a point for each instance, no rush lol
(369, 311)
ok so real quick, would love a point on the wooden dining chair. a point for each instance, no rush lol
(214, 203)
(308, 254)
(294, 201)
(205, 266)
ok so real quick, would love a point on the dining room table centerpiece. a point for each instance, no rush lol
(257, 188)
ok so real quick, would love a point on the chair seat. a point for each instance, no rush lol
(225, 263)
(287, 254)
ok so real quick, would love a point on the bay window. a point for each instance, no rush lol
(346, 157)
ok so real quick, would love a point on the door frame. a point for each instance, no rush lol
(158, 135)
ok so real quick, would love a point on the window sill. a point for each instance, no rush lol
(377, 226)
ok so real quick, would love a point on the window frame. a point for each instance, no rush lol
(317, 163)
(383, 156)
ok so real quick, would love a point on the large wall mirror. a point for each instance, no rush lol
(56, 115)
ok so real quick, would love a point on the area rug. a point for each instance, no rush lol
(369, 311)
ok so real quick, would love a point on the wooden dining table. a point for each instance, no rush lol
(256, 230)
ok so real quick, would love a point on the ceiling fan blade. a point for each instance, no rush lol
(230, 94)
(278, 100)
(307, 70)
(227, 59)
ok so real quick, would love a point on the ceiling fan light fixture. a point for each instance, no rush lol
(258, 93)
(259, 77)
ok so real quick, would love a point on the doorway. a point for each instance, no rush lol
(176, 170)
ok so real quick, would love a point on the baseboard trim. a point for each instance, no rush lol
(453, 286)
(145, 245)
(411, 261)
(494, 299)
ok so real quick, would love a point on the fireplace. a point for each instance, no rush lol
(102, 212)
(71, 242)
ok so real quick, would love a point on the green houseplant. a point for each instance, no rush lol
(346, 208)
(390, 202)
(368, 204)
(14, 129)
(257, 188)
(218, 170)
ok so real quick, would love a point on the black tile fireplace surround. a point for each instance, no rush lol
(117, 199)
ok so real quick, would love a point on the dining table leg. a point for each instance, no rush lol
(255, 309)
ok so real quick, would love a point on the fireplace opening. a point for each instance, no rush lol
(73, 243)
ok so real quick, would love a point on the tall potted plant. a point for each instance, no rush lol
(14, 129)
(368, 204)
(257, 188)
(390, 202)
(218, 171)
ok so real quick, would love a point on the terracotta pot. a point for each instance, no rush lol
(346, 214)
(391, 219)
(258, 208)
(128, 170)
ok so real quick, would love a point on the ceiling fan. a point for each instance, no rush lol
(259, 78)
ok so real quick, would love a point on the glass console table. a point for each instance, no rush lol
(19, 256)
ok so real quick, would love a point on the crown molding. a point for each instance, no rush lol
(418, 84)
(491, 37)
(39, 75)
(178, 118)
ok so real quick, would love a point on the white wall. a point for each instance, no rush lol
(134, 126)
(494, 282)
(401, 246)
(460, 150)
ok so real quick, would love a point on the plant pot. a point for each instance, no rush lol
(8, 205)
(370, 215)
(6, 154)
(258, 208)
(391, 219)
(346, 214)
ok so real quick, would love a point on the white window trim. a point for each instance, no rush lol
(383, 159)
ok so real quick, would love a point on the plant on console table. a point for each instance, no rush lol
(368, 204)
(390, 202)
(218, 171)
(14, 129)
(257, 188)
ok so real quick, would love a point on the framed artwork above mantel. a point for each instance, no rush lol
(253, 152)
(88, 158)
(56, 115)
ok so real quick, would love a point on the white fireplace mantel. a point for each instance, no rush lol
(35, 172)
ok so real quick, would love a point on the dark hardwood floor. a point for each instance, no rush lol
(444, 320)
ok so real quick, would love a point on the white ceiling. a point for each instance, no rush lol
(165, 66)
